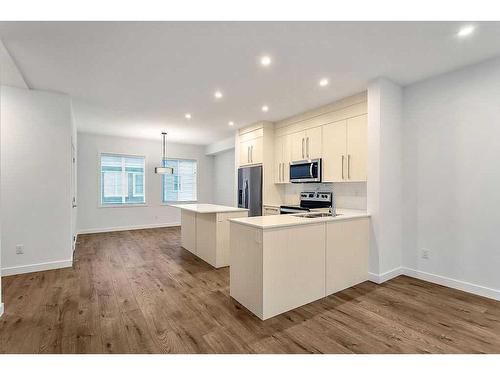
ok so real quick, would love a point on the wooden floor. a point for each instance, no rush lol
(140, 292)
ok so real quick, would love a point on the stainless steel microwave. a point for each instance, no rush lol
(305, 171)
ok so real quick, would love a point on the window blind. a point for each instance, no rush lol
(122, 179)
(181, 186)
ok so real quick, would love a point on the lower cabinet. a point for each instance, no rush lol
(270, 210)
(274, 270)
(188, 230)
(206, 235)
(346, 253)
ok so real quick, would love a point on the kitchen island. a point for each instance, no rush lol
(205, 230)
(281, 262)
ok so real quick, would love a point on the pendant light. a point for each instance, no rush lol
(164, 169)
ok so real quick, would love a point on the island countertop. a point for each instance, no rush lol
(277, 221)
(206, 208)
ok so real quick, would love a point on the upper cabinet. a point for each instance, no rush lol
(251, 147)
(282, 158)
(345, 150)
(357, 148)
(306, 144)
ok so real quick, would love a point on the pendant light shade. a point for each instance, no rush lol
(164, 169)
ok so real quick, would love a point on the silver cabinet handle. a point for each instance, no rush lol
(283, 172)
(342, 167)
(251, 154)
(248, 154)
(307, 147)
(349, 167)
(302, 148)
(279, 176)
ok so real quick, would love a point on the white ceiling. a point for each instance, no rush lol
(139, 78)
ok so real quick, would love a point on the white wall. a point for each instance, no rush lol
(92, 218)
(35, 185)
(1, 88)
(225, 144)
(384, 186)
(451, 183)
(224, 188)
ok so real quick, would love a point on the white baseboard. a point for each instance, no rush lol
(383, 277)
(436, 279)
(16, 270)
(1, 309)
(453, 283)
(128, 227)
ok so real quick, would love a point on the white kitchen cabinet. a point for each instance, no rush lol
(205, 231)
(306, 144)
(282, 159)
(357, 148)
(251, 151)
(274, 271)
(271, 210)
(251, 147)
(345, 150)
(334, 151)
(347, 245)
(282, 262)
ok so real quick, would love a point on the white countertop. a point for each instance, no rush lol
(277, 221)
(206, 208)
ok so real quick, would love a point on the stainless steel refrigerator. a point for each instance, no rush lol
(250, 189)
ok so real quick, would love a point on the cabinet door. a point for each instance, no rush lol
(245, 152)
(268, 210)
(334, 152)
(357, 144)
(278, 160)
(313, 143)
(256, 151)
(298, 146)
(286, 157)
(346, 254)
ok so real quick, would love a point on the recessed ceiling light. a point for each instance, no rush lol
(323, 82)
(188, 116)
(218, 94)
(265, 108)
(465, 31)
(230, 123)
(265, 60)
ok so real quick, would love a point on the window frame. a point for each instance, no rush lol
(99, 181)
(162, 187)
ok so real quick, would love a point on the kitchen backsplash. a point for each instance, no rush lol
(347, 194)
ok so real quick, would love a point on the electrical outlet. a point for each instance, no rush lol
(425, 253)
(19, 249)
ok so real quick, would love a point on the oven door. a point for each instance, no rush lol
(305, 171)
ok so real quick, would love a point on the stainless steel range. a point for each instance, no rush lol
(311, 201)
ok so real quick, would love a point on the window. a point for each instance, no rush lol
(180, 186)
(122, 180)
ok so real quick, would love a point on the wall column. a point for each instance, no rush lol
(384, 187)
